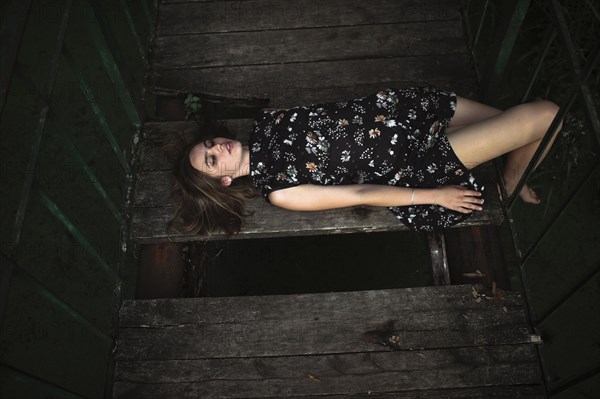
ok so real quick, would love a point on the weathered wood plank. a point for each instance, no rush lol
(265, 346)
(291, 96)
(426, 329)
(252, 15)
(338, 374)
(167, 312)
(319, 324)
(288, 85)
(301, 45)
(129, 390)
(149, 224)
(420, 362)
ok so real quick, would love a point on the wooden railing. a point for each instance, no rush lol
(570, 37)
(57, 329)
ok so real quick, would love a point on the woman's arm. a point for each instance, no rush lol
(309, 197)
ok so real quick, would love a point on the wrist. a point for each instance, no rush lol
(424, 196)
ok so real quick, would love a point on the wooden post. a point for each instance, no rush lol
(439, 261)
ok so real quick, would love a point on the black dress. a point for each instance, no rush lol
(394, 137)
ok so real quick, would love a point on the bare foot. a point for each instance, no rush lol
(527, 194)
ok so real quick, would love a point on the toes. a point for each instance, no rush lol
(531, 196)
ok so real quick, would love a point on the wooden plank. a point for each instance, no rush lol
(290, 96)
(301, 45)
(420, 362)
(149, 224)
(167, 312)
(129, 390)
(288, 85)
(439, 260)
(320, 323)
(444, 341)
(253, 15)
(414, 330)
(338, 374)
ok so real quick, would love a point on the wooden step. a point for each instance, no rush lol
(453, 341)
(153, 205)
(296, 54)
(307, 52)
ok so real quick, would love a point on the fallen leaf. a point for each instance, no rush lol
(314, 377)
(496, 292)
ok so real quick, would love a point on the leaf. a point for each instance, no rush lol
(314, 377)
(497, 293)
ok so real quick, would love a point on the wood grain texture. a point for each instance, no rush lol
(168, 312)
(288, 85)
(320, 324)
(437, 339)
(301, 45)
(129, 390)
(295, 53)
(339, 374)
(196, 17)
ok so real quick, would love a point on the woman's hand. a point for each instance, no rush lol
(459, 198)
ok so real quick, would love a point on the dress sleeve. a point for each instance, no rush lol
(271, 167)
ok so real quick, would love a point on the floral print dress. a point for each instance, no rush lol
(394, 137)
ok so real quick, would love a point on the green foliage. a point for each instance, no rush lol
(192, 106)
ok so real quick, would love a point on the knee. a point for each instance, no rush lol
(548, 111)
(544, 113)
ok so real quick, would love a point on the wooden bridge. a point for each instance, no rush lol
(450, 341)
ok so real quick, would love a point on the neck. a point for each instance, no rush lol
(245, 169)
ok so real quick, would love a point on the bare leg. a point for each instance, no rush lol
(478, 133)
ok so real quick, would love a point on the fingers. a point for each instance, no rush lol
(472, 202)
(472, 206)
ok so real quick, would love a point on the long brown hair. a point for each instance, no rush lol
(204, 205)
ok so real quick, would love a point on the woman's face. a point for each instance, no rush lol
(218, 157)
